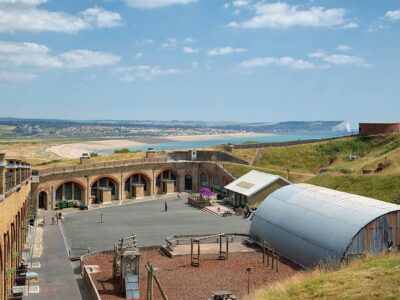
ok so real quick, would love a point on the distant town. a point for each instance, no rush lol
(10, 127)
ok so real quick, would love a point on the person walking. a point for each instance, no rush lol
(165, 206)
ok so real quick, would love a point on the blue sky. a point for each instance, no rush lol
(243, 60)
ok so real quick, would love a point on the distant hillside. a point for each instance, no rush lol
(126, 128)
(295, 127)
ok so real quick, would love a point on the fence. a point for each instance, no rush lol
(89, 284)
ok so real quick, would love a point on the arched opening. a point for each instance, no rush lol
(203, 179)
(104, 189)
(217, 181)
(162, 177)
(69, 191)
(43, 200)
(130, 188)
(188, 182)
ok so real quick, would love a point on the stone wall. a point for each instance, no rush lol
(186, 175)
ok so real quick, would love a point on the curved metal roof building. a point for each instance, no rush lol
(310, 225)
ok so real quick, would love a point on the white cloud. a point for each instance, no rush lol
(100, 18)
(139, 55)
(393, 15)
(36, 55)
(240, 3)
(277, 61)
(340, 59)
(189, 40)
(237, 12)
(227, 5)
(170, 43)
(77, 59)
(190, 50)
(283, 15)
(156, 3)
(343, 48)
(145, 72)
(24, 15)
(350, 25)
(224, 51)
(16, 76)
(30, 54)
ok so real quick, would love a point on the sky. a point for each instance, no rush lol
(212, 60)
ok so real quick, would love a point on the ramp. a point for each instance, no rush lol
(132, 289)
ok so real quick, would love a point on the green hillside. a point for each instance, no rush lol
(370, 278)
(336, 164)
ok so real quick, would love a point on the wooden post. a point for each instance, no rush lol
(150, 272)
(277, 263)
(227, 247)
(273, 257)
(263, 251)
(268, 253)
(191, 252)
(220, 247)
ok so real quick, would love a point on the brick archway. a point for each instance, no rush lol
(128, 181)
(61, 187)
(81, 184)
(159, 177)
(104, 181)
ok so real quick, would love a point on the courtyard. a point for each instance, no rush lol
(147, 220)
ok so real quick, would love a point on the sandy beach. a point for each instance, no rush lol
(75, 150)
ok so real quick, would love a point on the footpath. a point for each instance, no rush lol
(56, 277)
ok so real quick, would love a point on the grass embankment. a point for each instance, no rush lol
(370, 278)
(35, 151)
(96, 159)
(305, 162)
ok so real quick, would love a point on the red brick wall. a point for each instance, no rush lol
(367, 129)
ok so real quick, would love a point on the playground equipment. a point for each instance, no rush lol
(151, 276)
(126, 266)
(195, 257)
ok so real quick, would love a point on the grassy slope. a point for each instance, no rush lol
(344, 175)
(100, 158)
(371, 278)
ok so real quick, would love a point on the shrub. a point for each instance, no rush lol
(121, 151)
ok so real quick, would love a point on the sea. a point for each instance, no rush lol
(206, 143)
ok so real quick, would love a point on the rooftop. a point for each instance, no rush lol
(253, 182)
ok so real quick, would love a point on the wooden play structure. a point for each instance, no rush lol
(195, 256)
(126, 267)
(151, 277)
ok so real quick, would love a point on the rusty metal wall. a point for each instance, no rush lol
(375, 237)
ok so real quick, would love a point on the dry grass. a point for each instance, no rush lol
(370, 278)
(96, 159)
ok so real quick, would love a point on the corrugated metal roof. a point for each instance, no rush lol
(253, 182)
(309, 224)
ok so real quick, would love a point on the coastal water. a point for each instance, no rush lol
(206, 143)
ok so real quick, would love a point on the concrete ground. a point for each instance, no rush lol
(147, 220)
(56, 276)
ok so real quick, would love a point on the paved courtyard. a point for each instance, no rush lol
(147, 220)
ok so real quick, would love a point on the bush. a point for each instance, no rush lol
(344, 171)
(93, 154)
(122, 151)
